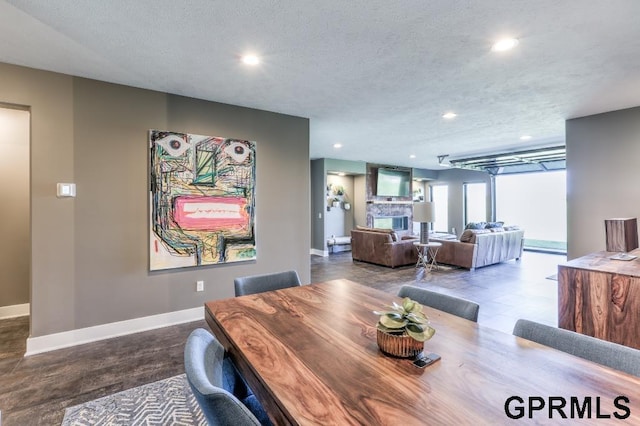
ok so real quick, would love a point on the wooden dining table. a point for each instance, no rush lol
(310, 355)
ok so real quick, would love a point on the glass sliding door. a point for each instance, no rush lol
(537, 202)
(475, 202)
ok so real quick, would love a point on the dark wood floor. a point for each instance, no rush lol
(36, 390)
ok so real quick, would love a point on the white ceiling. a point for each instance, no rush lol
(374, 75)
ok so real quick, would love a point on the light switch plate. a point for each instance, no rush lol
(66, 190)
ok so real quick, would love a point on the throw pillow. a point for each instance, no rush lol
(469, 235)
(466, 235)
(496, 229)
(394, 236)
(476, 225)
(494, 225)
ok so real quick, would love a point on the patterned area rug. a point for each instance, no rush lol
(165, 402)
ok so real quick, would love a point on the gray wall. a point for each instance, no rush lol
(318, 204)
(602, 176)
(90, 254)
(338, 221)
(360, 200)
(15, 250)
(320, 228)
(456, 178)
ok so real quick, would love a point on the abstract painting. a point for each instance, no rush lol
(202, 200)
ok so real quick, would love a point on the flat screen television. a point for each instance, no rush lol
(393, 183)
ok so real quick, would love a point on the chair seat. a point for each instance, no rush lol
(221, 392)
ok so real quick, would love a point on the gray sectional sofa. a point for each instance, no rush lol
(481, 247)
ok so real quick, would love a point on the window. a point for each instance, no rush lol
(537, 202)
(475, 202)
(440, 197)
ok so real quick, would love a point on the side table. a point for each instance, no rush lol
(427, 255)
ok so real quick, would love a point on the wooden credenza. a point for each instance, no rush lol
(600, 297)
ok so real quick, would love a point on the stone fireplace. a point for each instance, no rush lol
(387, 212)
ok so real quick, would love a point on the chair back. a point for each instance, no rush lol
(606, 353)
(267, 282)
(450, 304)
(213, 378)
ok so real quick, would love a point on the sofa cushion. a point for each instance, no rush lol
(512, 228)
(496, 229)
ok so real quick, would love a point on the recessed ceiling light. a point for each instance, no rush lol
(337, 145)
(250, 60)
(449, 115)
(342, 174)
(525, 137)
(412, 156)
(504, 44)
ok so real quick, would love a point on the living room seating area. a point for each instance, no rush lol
(476, 247)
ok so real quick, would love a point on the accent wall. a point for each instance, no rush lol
(89, 261)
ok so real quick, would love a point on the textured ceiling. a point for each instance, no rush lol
(374, 75)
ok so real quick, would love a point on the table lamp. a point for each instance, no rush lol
(424, 213)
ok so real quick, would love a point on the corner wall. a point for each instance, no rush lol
(90, 254)
(602, 176)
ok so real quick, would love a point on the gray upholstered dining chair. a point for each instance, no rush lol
(610, 354)
(453, 305)
(267, 282)
(222, 394)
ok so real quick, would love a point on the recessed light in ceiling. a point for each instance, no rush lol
(342, 174)
(250, 60)
(412, 156)
(525, 137)
(504, 44)
(337, 145)
(449, 115)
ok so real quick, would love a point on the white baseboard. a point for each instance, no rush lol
(323, 253)
(65, 339)
(14, 311)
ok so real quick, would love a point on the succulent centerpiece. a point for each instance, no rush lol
(402, 331)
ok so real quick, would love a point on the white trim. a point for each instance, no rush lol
(14, 311)
(50, 342)
(316, 252)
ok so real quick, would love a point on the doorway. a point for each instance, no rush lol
(15, 249)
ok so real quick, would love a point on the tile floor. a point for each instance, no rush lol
(506, 291)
